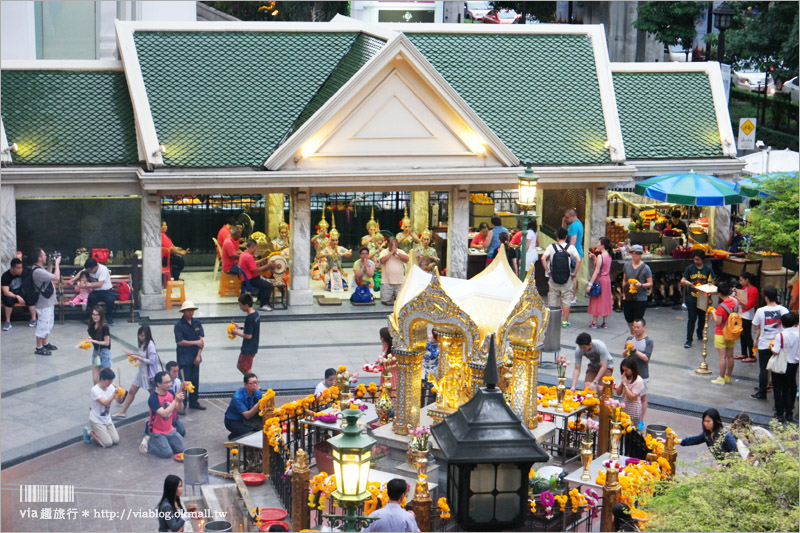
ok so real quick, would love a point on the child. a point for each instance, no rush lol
(630, 387)
(249, 333)
(83, 291)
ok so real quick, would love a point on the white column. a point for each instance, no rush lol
(457, 230)
(8, 226)
(300, 288)
(151, 295)
(597, 216)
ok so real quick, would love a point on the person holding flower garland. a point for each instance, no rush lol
(392, 516)
(640, 347)
(148, 366)
(719, 441)
(630, 387)
(102, 427)
(242, 416)
(329, 381)
(250, 334)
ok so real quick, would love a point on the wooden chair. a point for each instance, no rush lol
(217, 259)
(166, 271)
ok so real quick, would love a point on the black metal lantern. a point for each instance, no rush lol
(723, 16)
(489, 453)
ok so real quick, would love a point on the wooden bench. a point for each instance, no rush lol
(67, 292)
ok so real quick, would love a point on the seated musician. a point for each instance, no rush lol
(250, 270)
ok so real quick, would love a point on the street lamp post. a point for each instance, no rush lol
(352, 453)
(526, 198)
(723, 20)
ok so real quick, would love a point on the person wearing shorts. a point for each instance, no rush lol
(249, 333)
(727, 305)
(561, 294)
(635, 296)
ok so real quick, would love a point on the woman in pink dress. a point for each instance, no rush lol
(600, 305)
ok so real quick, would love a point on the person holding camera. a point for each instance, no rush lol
(46, 302)
(393, 261)
(101, 287)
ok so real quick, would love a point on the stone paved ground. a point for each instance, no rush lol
(44, 402)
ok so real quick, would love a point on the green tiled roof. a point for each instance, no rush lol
(667, 115)
(227, 99)
(362, 51)
(538, 93)
(69, 117)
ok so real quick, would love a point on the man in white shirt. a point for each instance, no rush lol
(101, 289)
(329, 381)
(102, 430)
(392, 516)
(393, 261)
(785, 385)
(766, 326)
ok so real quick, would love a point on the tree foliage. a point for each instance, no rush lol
(765, 36)
(670, 22)
(773, 223)
(739, 496)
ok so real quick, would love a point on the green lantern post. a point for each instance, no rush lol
(352, 453)
(526, 198)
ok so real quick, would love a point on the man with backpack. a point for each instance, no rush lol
(42, 281)
(12, 293)
(556, 262)
(766, 327)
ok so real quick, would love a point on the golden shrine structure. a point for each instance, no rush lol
(464, 314)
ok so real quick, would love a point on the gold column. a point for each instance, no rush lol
(523, 383)
(408, 393)
(611, 493)
(477, 371)
(422, 504)
(605, 427)
(420, 201)
(300, 473)
(274, 214)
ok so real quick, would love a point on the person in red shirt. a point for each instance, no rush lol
(176, 253)
(479, 240)
(516, 240)
(250, 269)
(225, 231)
(230, 252)
(748, 310)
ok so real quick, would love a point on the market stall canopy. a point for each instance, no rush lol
(772, 161)
(752, 186)
(689, 188)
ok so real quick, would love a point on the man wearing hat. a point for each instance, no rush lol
(189, 338)
(636, 279)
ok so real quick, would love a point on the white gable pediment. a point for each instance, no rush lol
(397, 112)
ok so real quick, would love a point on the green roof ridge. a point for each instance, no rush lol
(538, 93)
(69, 117)
(666, 115)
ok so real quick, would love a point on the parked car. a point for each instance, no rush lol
(476, 10)
(790, 87)
(501, 16)
(752, 80)
(676, 53)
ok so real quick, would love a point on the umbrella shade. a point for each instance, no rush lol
(752, 187)
(689, 188)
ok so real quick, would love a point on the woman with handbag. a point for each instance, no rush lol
(599, 287)
(785, 355)
(149, 363)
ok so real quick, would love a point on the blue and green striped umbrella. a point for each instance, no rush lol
(752, 186)
(689, 188)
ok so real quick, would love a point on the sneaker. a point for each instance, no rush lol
(7, 326)
(50, 347)
(758, 396)
(86, 438)
(143, 444)
(32, 323)
(719, 381)
(604, 325)
(687, 344)
(727, 380)
(42, 351)
(565, 324)
(574, 302)
(266, 308)
(593, 325)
